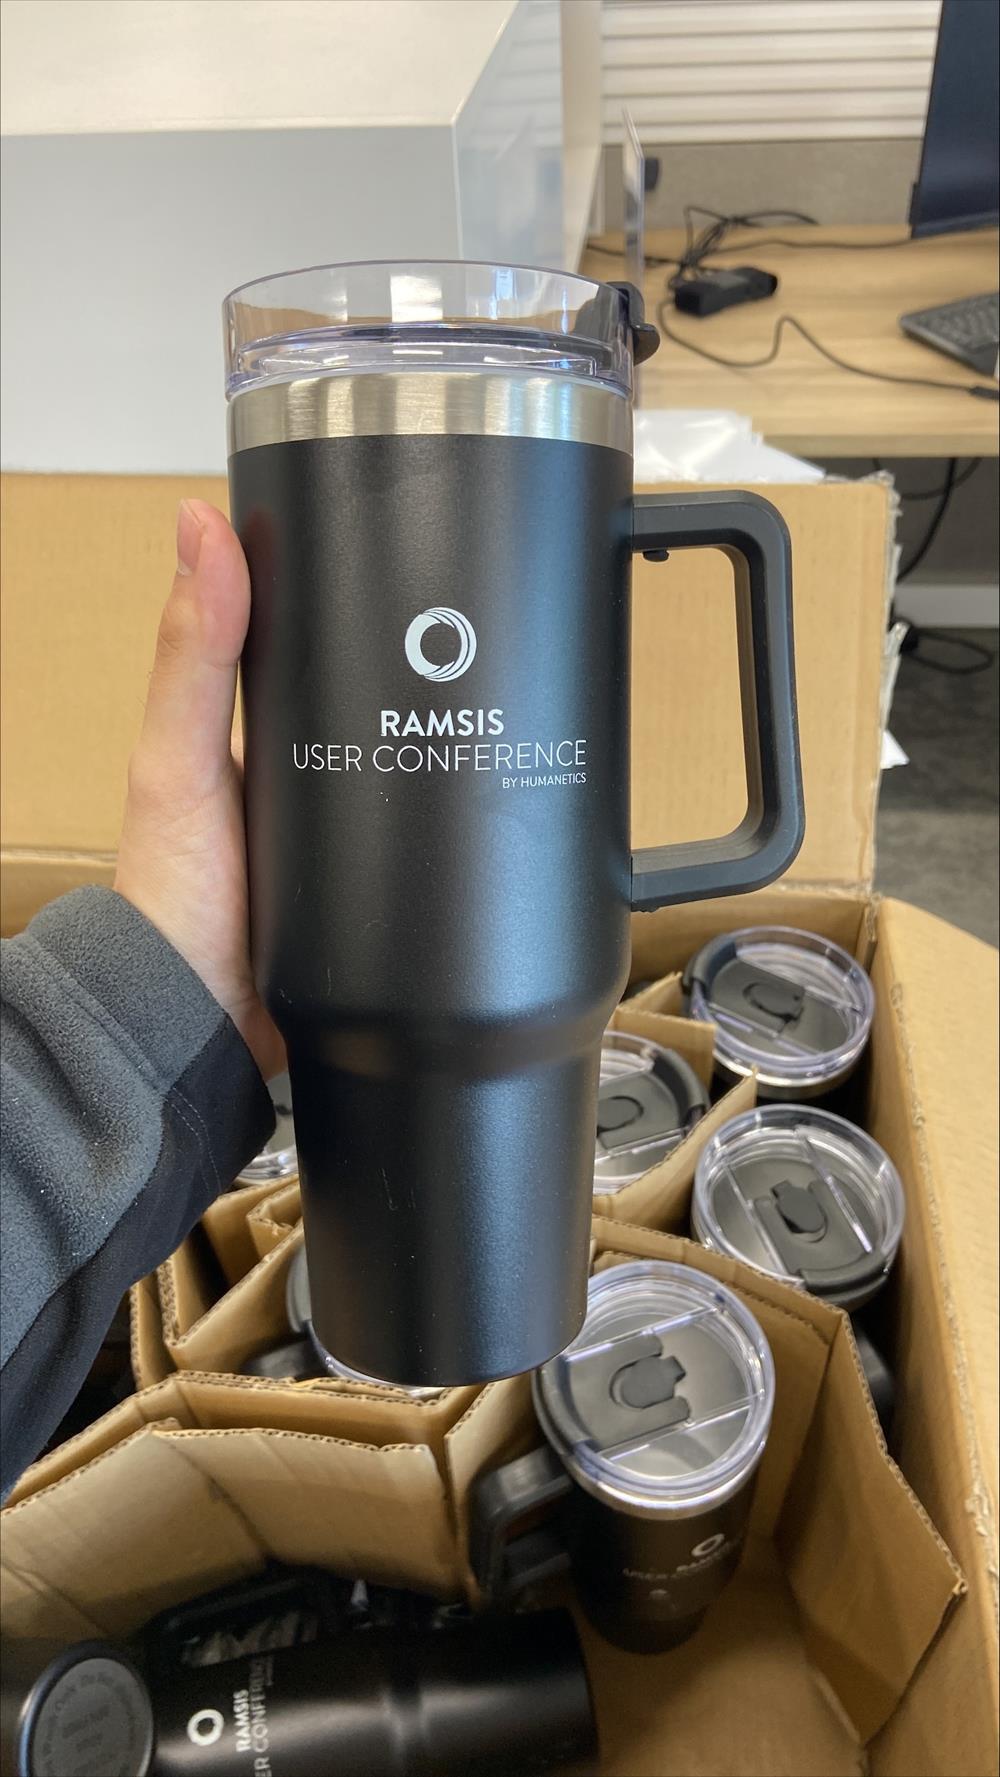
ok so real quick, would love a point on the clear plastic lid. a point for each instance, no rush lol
(277, 1159)
(649, 1100)
(333, 319)
(803, 1195)
(298, 1306)
(663, 1401)
(791, 1004)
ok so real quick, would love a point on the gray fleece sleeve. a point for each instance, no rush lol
(129, 1101)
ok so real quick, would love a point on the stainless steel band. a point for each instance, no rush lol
(408, 403)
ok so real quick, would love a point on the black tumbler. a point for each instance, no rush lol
(431, 475)
(478, 1699)
(301, 1357)
(656, 1418)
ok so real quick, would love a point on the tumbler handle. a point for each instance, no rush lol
(504, 1564)
(752, 534)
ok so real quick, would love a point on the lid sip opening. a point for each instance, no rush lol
(662, 1404)
(803, 1195)
(789, 1003)
(649, 1100)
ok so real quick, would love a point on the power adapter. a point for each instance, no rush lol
(711, 291)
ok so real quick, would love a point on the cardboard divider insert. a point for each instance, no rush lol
(200, 1479)
(665, 995)
(844, 1586)
(226, 1223)
(220, 1329)
(819, 1570)
(690, 1039)
(246, 1320)
(151, 1361)
(667, 940)
(660, 1198)
(270, 1219)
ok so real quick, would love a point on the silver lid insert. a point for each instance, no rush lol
(649, 1100)
(663, 1402)
(802, 1195)
(789, 1003)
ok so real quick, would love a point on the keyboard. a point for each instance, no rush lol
(968, 330)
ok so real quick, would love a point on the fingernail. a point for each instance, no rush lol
(189, 536)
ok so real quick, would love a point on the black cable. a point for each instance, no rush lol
(982, 390)
(708, 244)
(984, 657)
(722, 224)
(936, 520)
(756, 218)
(752, 218)
(705, 244)
(903, 240)
(931, 493)
(617, 252)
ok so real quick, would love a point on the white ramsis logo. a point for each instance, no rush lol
(709, 1546)
(465, 643)
(205, 1727)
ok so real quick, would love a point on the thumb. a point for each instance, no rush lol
(192, 690)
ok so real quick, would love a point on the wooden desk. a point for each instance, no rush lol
(852, 302)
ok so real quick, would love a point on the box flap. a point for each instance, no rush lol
(943, 987)
(87, 564)
(88, 561)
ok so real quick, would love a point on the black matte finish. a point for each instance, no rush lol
(484, 1698)
(644, 1582)
(441, 952)
(958, 185)
(442, 948)
(880, 1379)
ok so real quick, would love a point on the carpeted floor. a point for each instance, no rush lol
(938, 823)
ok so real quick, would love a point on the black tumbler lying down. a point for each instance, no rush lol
(311, 1680)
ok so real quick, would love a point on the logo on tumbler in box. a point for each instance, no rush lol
(205, 1727)
(709, 1546)
(465, 644)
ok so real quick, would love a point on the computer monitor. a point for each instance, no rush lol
(959, 181)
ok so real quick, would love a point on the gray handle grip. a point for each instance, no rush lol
(752, 534)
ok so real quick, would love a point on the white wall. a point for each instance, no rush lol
(78, 66)
(159, 152)
(118, 250)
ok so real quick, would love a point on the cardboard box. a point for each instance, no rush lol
(198, 1480)
(930, 1083)
(269, 1221)
(96, 555)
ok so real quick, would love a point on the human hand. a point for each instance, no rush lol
(182, 855)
